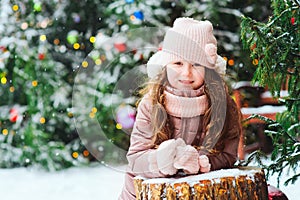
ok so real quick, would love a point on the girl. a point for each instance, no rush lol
(186, 122)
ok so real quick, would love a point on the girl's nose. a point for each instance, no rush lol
(187, 69)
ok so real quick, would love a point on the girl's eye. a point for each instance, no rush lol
(178, 63)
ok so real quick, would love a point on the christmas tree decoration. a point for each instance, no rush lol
(13, 115)
(293, 20)
(37, 7)
(129, 1)
(139, 15)
(41, 56)
(72, 37)
(76, 17)
(125, 116)
(121, 47)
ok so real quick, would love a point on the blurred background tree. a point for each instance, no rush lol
(48, 47)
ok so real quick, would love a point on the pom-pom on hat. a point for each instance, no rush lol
(189, 40)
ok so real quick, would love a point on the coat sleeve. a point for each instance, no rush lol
(227, 154)
(141, 146)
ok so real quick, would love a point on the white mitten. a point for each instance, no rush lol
(204, 164)
(165, 157)
(187, 159)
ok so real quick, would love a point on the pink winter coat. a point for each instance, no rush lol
(186, 128)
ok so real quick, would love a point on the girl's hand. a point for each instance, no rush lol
(204, 164)
(165, 155)
(187, 159)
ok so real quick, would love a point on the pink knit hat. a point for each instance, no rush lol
(190, 40)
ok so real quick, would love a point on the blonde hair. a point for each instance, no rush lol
(162, 126)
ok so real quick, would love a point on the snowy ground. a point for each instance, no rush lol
(90, 183)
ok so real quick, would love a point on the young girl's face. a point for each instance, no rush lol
(183, 75)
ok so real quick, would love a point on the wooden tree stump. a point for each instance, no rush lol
(243, 183)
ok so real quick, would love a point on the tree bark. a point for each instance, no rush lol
(243, 183)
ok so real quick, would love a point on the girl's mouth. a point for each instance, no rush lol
(186, 81)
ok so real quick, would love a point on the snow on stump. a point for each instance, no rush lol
(243, 183)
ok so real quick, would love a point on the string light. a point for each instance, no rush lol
(15, 8)
(119, 22)
(255, 62)
(85, 64)
(24, 25)
(119, 126)
(231, 62)
(34, 83)
(75, 154)
(43, 38)
(76, 45)
(12, 89)
(42, 120)
(92, 115)
(70, 114)
(94, 110)
(132, 17)
(3, 80)
(86, 153)
(56, 41)
(98, 61)
(5, 131)
(92, 39)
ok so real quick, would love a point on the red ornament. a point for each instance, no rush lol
(41, 56)
(2, 48)
(293, 19)
(121, 47)
(276, 194)
(253, 47)
(13, 115)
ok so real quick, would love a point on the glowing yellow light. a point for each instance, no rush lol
(5, 131)
(42, 120)
(70, 114)
(255, 62)
(92, 115)
(34, 83)
(119, 126)
(3, 80)
(85, 64)
(119, 22)
(225, 58)
(92, 39)
(15, 7)
(43, 38)
(231, 62)
(94, 109)
(56, 41)
(76, 45)
(24, 26)
(98, 61)
(86, 153)
(132, 17)
(75, 154)
(12, 89)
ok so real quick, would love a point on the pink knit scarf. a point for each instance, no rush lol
(182, 106)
